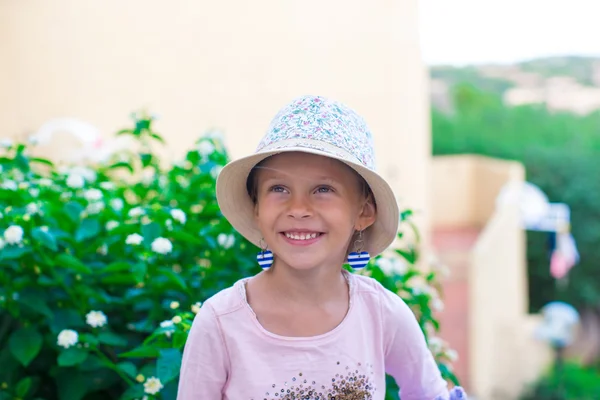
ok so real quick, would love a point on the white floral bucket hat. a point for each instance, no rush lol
(314, 125)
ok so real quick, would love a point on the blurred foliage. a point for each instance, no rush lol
(561, 154)
(572, 382)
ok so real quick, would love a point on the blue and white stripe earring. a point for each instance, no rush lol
(358, 258)
(264, 257)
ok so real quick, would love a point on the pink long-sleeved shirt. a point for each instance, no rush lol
(230, 356)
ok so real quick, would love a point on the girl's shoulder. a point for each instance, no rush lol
(375, 294)
(227, 300)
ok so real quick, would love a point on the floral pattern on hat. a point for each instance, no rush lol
(317, 119)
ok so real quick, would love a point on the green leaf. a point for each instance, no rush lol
(112, 339)
(139, 271)
(36, 303)
(168, 365)
(175, 278)
(22, 388)
(141, 352)
(128, 367)
(44, 238)
(89, 228)
(125, 131)
(117, 266)
(182, 236)
(41, 161)
(179, 339)
(122, 164)
(25, 344)
(146, 159)
(73, 210)
(72, 356)
(88, 338)
(119, 279)
(151, 231)
(133, 392)
(72, 385)
(72, 263)
(92, 363)
(157, 137)
(14, 252)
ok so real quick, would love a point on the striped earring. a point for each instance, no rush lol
(264, 257)
(358, 258)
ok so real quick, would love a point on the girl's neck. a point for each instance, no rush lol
(314, 286)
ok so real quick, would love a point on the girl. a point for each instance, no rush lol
(304, 328)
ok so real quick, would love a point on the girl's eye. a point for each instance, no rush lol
(324, 189)
(277, 189)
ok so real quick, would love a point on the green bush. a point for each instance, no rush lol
(573, 382)
(103, 267)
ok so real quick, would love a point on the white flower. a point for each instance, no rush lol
(215, 171)
(13, 234)
(32, 208)
(178, 215)
(117, 204)
(6, 143)
(225, 241)
(2, 243)
(45, 182)
(452, 355)
(87, 173)
(9, 185)
(176, 319)
(93, 194)
(103, 250)
(134, 239)
(196, 307)
(75, 181)
(136, 212)
(174, 305)
(34, 192)
(162, 246)
(94, 208)
(107, 185)
(205, 148)
(436, 344)
(437, 304)
(110, 225)
(64, 196)
(96, 319)
(166, 324)
(152, 385)
(67, 338)
(169, 224)
(169, 325)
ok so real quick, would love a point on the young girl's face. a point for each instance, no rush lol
(308, 208)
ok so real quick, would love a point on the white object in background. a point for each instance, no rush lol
(531, 200)
(93, 147)
(560, 320)
(557, 219)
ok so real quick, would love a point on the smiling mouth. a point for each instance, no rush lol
(302, 235)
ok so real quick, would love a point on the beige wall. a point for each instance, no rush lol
(464, 188)
(227, 64)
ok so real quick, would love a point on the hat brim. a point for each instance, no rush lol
(237, 206)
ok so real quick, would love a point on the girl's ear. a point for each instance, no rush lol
(367, 216)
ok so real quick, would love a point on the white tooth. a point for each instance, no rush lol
(313, 235)
(302, 237)
(296, 237)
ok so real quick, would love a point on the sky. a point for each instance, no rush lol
(460, 32)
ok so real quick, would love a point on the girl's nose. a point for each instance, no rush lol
(299, 207)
